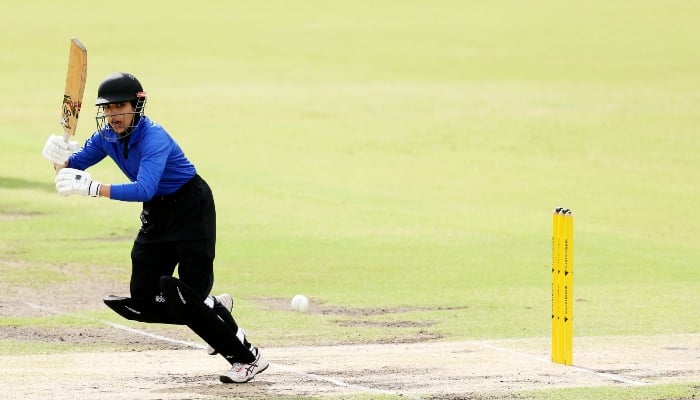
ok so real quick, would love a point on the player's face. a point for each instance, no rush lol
(119, 116)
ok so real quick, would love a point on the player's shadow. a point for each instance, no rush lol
(19, 183)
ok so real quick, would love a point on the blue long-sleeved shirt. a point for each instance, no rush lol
(155, 165)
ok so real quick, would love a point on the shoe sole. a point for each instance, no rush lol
(226, 379)
(229, 307)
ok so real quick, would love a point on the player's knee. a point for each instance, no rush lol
(180, 299)
(175, 293)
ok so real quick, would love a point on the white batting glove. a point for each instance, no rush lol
(58, 150)
(74, 181)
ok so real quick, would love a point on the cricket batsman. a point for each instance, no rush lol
(178, 222)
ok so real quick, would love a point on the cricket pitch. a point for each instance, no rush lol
(446, 370)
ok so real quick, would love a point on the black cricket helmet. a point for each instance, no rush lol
(119, 87)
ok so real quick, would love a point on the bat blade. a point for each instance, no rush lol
(75, 87)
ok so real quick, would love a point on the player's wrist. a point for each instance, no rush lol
(94, 189)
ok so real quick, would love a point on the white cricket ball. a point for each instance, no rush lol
(300, 303)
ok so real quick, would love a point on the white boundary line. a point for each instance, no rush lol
(333, 381)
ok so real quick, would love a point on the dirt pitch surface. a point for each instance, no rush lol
(163, 362)
(438, 370)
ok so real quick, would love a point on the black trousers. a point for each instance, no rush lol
(178, 230)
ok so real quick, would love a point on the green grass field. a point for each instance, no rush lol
(385, 154)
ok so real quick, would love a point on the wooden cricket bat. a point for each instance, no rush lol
(75, 87)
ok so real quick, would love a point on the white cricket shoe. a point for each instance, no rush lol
(227, 301)
(242, 372)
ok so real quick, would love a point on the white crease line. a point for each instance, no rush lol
(345, 384)
(153, 335)
(613, 377)
(121, 327)
(333, 381)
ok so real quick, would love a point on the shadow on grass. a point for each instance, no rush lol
(19, 183)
